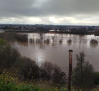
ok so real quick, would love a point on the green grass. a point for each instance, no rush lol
(29, 87)
(14, 85)
(21, 87)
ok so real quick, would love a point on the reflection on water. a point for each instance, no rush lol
(22, 43)
(93, 45)
(54, 48)
(53, 44)
(60, 41)
(42, 46)
(69, 43)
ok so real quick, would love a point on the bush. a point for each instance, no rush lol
(2, 42)
(59, 77)
(46, 70)
(53, 73)
(96, 78)
(8, 55)
(83, 77)
(29, 69)
(21, 87)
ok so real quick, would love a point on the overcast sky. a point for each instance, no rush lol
(56, 12)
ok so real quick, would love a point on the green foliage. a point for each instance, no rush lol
(80, 59)
(46, 70)
(7, 87)
(8, 83)
(59, 77)
(8, 56)
(83, 77)
(20, 87)
(53, 73)
(96, 78)
(29, 69)
(2, 42)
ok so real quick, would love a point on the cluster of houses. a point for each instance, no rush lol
(46, 28)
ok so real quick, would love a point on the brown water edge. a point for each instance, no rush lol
(57, 53)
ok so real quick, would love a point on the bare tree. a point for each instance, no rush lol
(82, 76)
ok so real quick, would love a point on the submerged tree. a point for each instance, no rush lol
(82, 76)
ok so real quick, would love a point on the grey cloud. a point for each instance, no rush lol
(50, 7)
(72, 7)
(19, 9)
(14, 7)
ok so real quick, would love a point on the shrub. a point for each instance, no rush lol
(96, 78)
(53, 73)
(82, 76)
(29, 69)
(46, 70)
(2, 42)
(58, 77)
(8, 55)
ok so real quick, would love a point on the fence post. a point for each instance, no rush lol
(70, 70)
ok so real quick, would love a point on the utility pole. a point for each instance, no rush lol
(70, 70)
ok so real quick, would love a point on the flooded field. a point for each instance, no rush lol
(54, 48)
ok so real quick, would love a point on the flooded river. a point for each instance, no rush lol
(56, 49)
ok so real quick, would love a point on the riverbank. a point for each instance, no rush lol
(59, 32)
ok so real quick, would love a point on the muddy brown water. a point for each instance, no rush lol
(57, 52)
